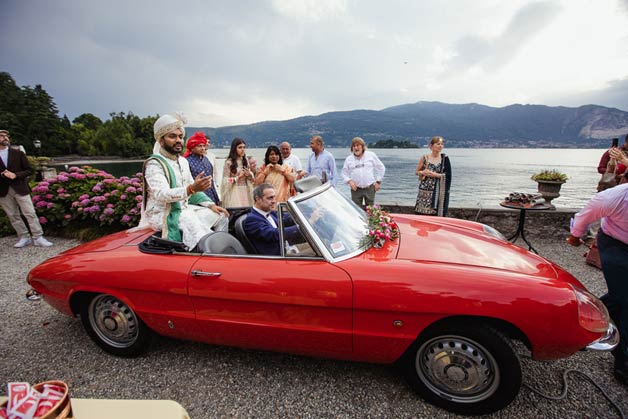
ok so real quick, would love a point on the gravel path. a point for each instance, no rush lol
(38, 343)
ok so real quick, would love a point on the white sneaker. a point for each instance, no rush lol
(24, 241)
(41, 241)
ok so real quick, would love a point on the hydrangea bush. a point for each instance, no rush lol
(87, 196)
(381, 227)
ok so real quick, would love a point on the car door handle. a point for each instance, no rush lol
(202, 273)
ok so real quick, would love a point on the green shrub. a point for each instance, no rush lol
(550, 175)
(86, 203)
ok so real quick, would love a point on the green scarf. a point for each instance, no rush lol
(173, 208)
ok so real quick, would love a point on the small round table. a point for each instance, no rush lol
(522, 218)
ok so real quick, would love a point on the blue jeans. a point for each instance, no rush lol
(614, 257)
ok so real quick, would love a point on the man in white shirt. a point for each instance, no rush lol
(291, 160)
(611, 206)
(363, 171)
(174, 202)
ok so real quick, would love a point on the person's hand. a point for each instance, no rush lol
(353, 186)
(219, 210)
(574, 241)
(301, 174)
(201, 182)
(377, 185)
(616, 153)
(9, 174)
(316, 215)
(245, 173)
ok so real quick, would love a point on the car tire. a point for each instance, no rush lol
(114, 326)
(468, 369)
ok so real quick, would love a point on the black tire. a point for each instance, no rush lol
(114, 326)
(470, 369)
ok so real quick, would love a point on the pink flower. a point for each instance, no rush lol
(125, 218)
(139, 198)
(41, 204)
(122, 197)
(43, 220)
(108, 211)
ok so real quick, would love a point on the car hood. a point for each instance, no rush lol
(445, 240)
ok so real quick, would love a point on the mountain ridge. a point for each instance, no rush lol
(462, 125)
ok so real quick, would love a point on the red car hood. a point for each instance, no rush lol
(452, 241)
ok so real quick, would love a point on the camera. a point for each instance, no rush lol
(615, 142)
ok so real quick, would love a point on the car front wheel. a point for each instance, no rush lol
(470, 369)
(114, 326)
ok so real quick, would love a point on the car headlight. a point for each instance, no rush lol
(592, 313)
(493, 232)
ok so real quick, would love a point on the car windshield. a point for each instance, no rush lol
(339, 225)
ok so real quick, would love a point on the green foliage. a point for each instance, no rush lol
(30, 113)
(550, 175)
(85, 203)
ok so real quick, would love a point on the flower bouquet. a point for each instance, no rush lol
(381, 227)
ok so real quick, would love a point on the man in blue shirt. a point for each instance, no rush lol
(321, 162)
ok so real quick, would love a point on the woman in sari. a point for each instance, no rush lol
(275, 172)
(237, 177)
(434, 171)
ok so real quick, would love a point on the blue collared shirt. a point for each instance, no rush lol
(325, 162)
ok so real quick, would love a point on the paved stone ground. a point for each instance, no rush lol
(37, 343)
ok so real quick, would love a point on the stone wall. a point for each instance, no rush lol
(540, 223)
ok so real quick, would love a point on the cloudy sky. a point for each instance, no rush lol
(232, 62)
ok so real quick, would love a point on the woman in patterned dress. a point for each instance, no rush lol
(434, 171)
(237, 177)
(275, 172)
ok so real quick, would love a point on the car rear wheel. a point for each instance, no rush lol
(114, 326)
(470, 369)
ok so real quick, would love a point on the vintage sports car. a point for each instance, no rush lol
(443, 300)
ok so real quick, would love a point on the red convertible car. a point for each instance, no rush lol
(443, 300)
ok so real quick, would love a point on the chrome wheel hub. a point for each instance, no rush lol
(457, 368)
(113, 321)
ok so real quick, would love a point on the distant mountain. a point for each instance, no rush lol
(467, 125)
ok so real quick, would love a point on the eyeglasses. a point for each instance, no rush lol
(4, 135)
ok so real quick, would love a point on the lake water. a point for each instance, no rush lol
(481, 177)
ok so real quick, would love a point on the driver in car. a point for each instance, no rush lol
(261, 225)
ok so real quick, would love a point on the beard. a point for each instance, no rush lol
(175, 149)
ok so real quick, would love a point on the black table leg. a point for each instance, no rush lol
(521, 231)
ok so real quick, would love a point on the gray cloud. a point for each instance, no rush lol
(491, 53)
(245, 61)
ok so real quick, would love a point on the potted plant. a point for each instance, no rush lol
(549, 183)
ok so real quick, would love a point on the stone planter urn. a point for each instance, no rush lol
(549, 189)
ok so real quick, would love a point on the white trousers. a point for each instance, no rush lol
(12, 203)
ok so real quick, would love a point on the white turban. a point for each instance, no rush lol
(164, 125)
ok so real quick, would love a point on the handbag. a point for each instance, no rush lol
(422, 177)
(608, 178)
(592, 257)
